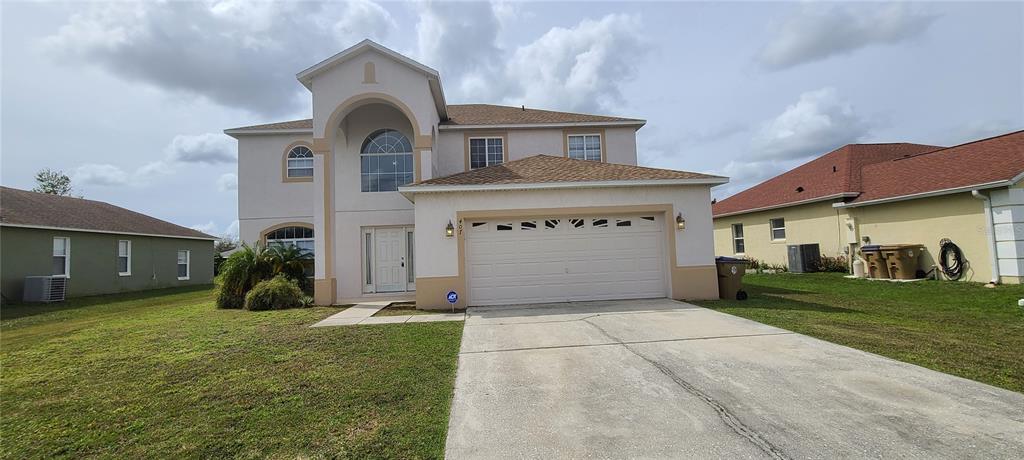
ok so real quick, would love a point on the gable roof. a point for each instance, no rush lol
(868, 172)
(20, 208)
(433, 78)
(994, 161)
(465, 115)
(557, 171)
(303, 126)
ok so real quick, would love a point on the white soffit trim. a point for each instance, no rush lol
(558, 185)
(791, 203)
(914, 196)
(588, 124)
(88, 230)
(238, 132)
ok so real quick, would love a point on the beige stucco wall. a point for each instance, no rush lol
(805, 224)
(264, 199)
(959, 217)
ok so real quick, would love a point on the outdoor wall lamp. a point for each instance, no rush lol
(449, 231)
(680, 222)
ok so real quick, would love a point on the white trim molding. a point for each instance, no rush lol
(413, 189)
(914, 196)
(589, 124)
(111, 232)
(791, 203)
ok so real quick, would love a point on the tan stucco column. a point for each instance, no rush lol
(325, 286)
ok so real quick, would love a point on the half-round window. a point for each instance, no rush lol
(300, 162)
(385, 161)
(301, 237)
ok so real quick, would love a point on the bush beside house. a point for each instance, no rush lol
(274, 276)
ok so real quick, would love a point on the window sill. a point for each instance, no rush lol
(778, 241)
(182, 279)
(124, 274)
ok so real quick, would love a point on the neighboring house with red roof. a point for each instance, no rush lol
(401, 195)
(890, 194)
(95, 247)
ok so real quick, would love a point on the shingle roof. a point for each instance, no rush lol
(995, 159)
(539, 169)
(874, 171)
(20, 207)
(475, 115)
(487, 114)
(829, 175)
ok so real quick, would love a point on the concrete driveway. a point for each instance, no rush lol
(664, 379)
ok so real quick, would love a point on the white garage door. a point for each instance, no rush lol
(559, 259)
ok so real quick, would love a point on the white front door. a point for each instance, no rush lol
(389, 258)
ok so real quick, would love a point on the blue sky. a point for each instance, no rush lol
(131, 98)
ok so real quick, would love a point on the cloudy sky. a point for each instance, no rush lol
(130, 99)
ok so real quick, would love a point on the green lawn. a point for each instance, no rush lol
(165, 374)
(962, 329)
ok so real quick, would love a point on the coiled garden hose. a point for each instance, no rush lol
(951, 259)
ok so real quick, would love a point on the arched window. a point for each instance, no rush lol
(300, 162)
(385, 161)
(301, 237)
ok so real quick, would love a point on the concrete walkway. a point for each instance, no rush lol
(362, 313)
(665, 379)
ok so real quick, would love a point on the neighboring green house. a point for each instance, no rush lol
(97, 247)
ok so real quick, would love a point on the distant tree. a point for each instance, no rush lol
(53, 182)
(224, 245)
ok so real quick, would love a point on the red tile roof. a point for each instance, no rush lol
(20, 207)
(475, 115)
(547, 169)
(831, 175)
(980, 162)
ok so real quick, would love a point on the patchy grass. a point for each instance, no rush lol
(165, 374)
(962, 329)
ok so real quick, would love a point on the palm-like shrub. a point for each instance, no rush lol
(251, 265)
(240, 272)
(290, 261)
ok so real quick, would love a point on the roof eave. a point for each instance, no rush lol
(414, 189)
(634, 123)
(235, 132)
(112, 232)
(933, 193)
(834, 196)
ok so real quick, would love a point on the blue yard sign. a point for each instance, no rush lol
(452, 297)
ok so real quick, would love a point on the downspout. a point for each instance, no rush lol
(990, 232)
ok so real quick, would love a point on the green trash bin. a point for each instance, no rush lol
(730, 277)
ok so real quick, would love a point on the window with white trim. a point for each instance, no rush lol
(299, 162)
(124, 257)
(737, 239)
(486, 151)
(184, 259)
(585, 146)
(778, 227)
(300, 237)
(385, 161)
(62, 257)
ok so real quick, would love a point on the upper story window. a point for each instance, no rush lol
(778, 227)
(486, 151)
(585, 146)
(299, 162)
(300, 237)
(385, 161)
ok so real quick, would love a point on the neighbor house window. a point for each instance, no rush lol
(385, 161)
(62, 257)
(737, 238)
(300, 162)
(184, 257)
(585, 146)
(778, 228)
(486, 151)
(300, 237)
(124, 257)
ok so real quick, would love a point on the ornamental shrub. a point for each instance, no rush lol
(277, 293)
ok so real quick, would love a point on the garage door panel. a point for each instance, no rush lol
(552, 260)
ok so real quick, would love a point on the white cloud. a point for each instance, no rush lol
(579, 68)
(208, 228)
(227, 182)
(818, 31)
(237, 54)
(211, 228)
(99, 174)
(817, 123)
(206, 148)
(232, 231)
(745, 174)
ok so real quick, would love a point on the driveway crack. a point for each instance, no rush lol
(727, 417)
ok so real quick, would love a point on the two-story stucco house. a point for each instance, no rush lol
(402, 195)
